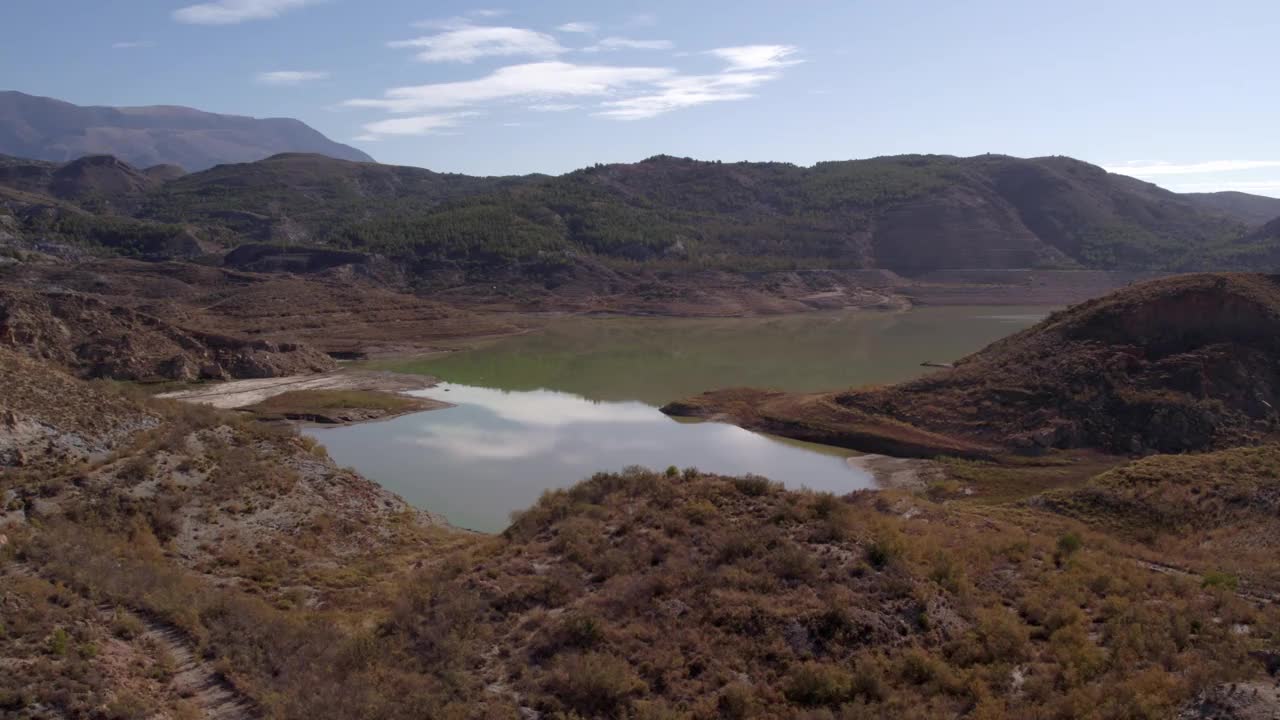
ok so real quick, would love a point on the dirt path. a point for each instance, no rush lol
(194, 678)
(1258, 598)
(242, 393)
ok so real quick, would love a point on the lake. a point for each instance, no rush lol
(549, 408)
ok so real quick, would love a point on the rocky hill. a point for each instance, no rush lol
(48, 129)
(1180, 364)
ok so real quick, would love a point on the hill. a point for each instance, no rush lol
(303, 197)
(1250, 209)
(95, 339)
(911, 214)
(1214, 511)
(1179, 364)
(48, 129)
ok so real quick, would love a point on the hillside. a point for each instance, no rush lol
(302, 198)
(912, 215)
(95, 339)
(48, 129)
(1252, 210)
(909, 214)
(1180, 364)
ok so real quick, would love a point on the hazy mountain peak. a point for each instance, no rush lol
(49, 129)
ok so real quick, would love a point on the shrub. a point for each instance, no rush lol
(59, 642)
(1068, 545)
(1214, 579)
(593, 684)
(814, 684)
(753, 485)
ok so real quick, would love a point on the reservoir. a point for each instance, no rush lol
(549, 408)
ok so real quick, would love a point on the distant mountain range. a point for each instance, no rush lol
(911, 214)
(47, 129)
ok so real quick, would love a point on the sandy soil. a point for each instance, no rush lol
(895, 472)
(242, 393)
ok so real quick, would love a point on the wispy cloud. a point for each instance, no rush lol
(291, 77)
(1149, 169)
(756, 57)
(543, 81)
(466, 43)
(683, 92)
(620, 92)
(622, 43)
(414, 125)
(578, 27)
(231, 12)
(554, 107)
(749, 66)
(131, 44)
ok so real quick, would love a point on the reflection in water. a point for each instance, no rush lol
(549, 408)
(496, 451)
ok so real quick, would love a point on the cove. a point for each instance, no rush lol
(547, 409)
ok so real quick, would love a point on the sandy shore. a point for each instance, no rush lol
(894, 472)
(242, 393)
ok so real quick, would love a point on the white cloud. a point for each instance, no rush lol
(366, 138)
(621, 43)
(465, 43)
(756, 57)
(487, 13)
(578, 27)
(554, 107)
(642, 20)
(129, 45)
(685, 91)
(230, 12)
(1140, 169)
(291, 77)
(543, 81)
(415, 125)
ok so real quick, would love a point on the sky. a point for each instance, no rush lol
(1184, 94)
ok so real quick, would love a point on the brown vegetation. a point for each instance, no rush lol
(1183, 363)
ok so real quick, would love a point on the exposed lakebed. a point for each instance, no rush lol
(549, 408)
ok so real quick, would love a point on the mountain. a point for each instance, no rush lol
(48, 129)
(1180, 364)
(911, 214)
(1250, 209)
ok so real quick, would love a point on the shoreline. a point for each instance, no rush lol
(237, 394)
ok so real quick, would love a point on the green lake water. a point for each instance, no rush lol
(548, 408)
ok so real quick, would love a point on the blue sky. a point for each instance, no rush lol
(1181, 93)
